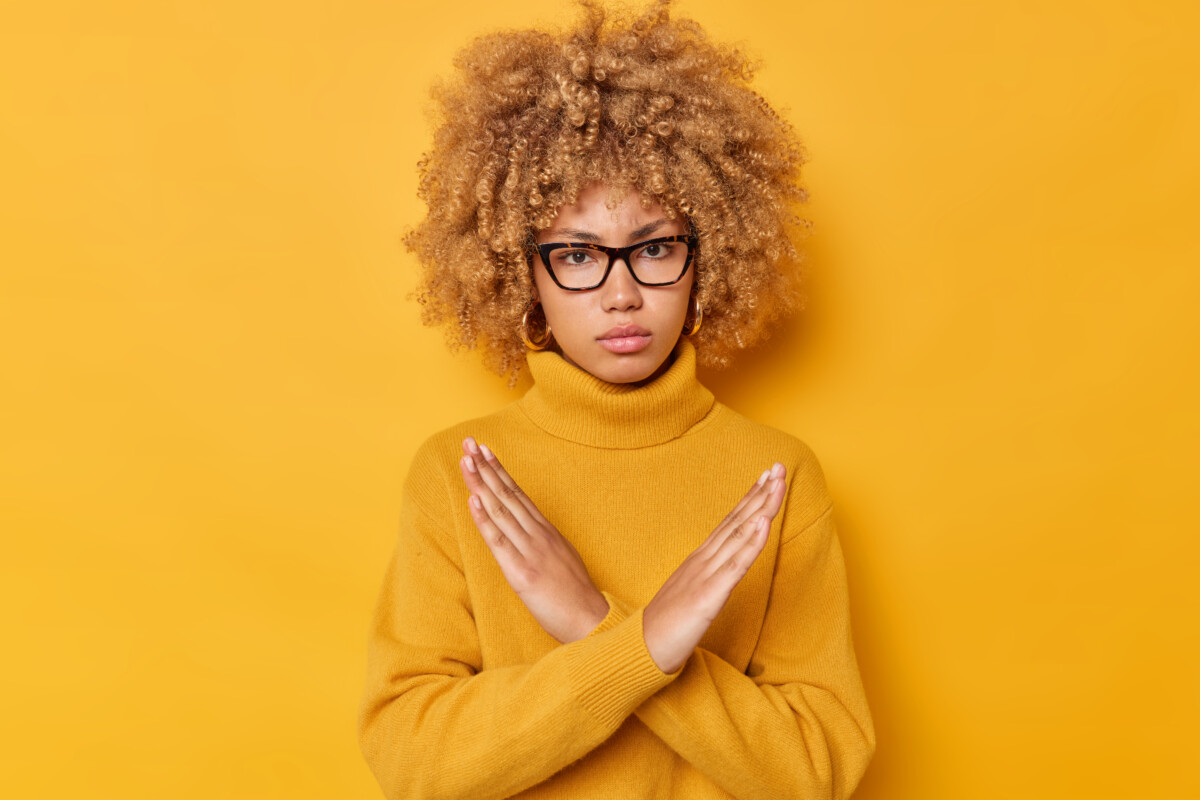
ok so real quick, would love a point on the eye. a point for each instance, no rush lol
(655, 251)
(572, 256)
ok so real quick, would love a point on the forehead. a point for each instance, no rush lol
(601, 209)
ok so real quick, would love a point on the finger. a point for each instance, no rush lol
(485, 459)
(767, 504)
(510, 497)
(495, 508)
(722, 527)
(493, 463)
(774, 500)
(767, 510)
(759, 500)
(750, 504)
(740, 548)
(748, 497)
(505, 553)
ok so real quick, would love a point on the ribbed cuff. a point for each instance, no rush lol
(611, 671)
(617, 612)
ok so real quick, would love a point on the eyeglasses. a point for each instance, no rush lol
(580, 266)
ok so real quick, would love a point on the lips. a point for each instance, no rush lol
(625, 339)
(625, 331)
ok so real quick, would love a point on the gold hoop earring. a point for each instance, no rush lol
(697, 318)
(534, 345)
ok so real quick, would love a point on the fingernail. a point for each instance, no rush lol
(471, 444)
(762, 478)
(486, 453)
(777, 470)
(470, 463)
(475, 502)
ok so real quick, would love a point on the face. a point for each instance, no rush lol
(581, 321)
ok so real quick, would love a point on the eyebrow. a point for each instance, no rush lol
(586, 236)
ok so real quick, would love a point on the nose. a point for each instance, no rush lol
(621, 292)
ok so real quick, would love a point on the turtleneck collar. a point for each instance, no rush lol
(573, 404)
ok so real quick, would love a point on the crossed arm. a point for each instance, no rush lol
(795, 723)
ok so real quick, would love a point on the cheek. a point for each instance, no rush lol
(566, 317)
(682, 301)
(550, 297)
(541, 282)
(558, 308)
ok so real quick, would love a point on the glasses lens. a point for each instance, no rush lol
(661, 262)
(582, 268)
(578, 267)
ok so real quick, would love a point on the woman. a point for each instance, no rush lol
(615, 586)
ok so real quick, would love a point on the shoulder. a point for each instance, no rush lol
(808, 493)
(787, 448)
(434, 468)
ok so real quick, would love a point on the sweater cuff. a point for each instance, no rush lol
(611, 671)
(617, 611)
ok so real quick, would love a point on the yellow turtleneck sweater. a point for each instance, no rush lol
(467, 697)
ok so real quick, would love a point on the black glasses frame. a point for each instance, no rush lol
(617, 254)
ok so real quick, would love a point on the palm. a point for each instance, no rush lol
(539, 563)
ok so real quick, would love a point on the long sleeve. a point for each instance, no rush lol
(434, 724)
(796, 723)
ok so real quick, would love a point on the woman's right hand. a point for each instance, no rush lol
(682, 610)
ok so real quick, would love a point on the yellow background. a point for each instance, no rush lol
(212, 383)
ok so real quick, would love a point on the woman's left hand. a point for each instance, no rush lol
(543, 568)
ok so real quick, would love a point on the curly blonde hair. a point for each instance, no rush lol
(636, 101)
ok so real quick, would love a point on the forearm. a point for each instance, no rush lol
(500, 731)
(758, 741)
(795, 723)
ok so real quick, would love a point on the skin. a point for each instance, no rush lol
(539, 563)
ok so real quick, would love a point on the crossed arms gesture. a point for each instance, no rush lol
(793, 723)
(547, 573)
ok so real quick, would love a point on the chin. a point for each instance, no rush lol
(628, 367)
(617, 367)
(624, 374)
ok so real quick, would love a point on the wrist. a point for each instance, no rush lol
(597, 611)
(652, 637)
